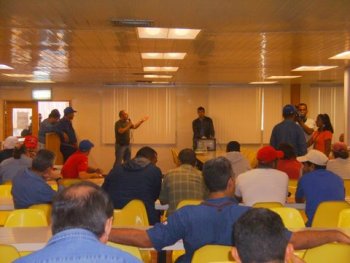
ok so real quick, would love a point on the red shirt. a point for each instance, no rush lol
(291, 167)
(77, 162)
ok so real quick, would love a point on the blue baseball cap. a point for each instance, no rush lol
(85, 145)
(69, 110)
(289, 109)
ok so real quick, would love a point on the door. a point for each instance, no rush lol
(19, 116)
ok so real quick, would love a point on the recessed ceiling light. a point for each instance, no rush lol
(3, 66)
(164, 69)
(169, 55)
(167, 33)
(158, 76)
(19, 75)
(40, 81)
(283, 77)
(313, 68)
(343, 55)
(262, 82)
(160, 82)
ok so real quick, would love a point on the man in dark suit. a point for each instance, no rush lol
(202, 127)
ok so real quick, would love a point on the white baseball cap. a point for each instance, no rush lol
(315, 157)
(10, 142)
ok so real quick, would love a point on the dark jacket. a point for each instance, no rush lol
(135, 179)
(208, 128)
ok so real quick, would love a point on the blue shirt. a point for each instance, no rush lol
(29, 188)
(46, 127)
(77, 245)
(288, 131)
(318, 186)
(208, 223)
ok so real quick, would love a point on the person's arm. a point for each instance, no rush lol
(327, 146)
(87, 175)
(313, 238)
(306, 128)
(126, 128)
(299, 194)
(130, 237)
(211, 127)
(135, 126)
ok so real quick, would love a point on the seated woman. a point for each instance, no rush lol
(16, 164)
(340, 165)
(289, 163)
(322, 138)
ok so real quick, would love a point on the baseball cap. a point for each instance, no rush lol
(315, 157)
(69, 110)
(85, 145)
(339, 147)
(10, 142)
(30, 142)
(267, 154)
(289, 109)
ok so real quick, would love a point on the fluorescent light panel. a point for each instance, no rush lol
(19, 75)
(283, 77)
(160, 82)
(158, 76)
(167, 33)
(164, 69)
(313, 68)
(40, 81)
(262, 82)
(169, 55)
(343, 55)
(3, 66)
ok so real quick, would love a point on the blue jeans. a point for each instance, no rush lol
(122, 153)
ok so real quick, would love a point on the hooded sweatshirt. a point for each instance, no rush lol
(239, 163)
(135, 179)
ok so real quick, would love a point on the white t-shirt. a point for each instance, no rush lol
(340, 167)
(262, 185)
(311, 124)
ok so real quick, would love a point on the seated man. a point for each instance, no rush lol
(82, 216)
(340, 165)
(8, 147)
(30, 187)
(77, 165)
(239, 163)
(317, 184)
(138, 178)
(211, 221)
(183, 182)
(265, 183)
(260, 236)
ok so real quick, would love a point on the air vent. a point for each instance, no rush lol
(132, 22)
(144, 81)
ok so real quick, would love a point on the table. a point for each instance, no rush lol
(206, 156)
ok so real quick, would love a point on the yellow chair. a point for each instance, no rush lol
(68, 182)
(46, 208)
(129, 249)
(292, 188)
(212, 253)
(334, 252)
(8, 253)
(26, 218)
(133, 214)
(344, 218)
(250, 155)
(188, 202)
(347, 187)
(5, 191)
(175, 156)
(327, 213)
(267, 205)
(291, 217)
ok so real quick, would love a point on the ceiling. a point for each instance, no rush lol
(240, 40)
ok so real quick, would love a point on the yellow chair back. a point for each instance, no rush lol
(344, 218)
(175, 156)
(334, 252)
(188, 202)
(250, 154)
(291, 217)
(5, 191)
(212, 253)
(267, 205)
(292, 187)
(46, 208)
(8, 253)
(347, 187)
(129, 249)
(68, 182)
(26, 218)
(327, 213)
(133, 214)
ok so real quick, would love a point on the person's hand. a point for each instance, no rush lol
(145, 118)
(98, 171)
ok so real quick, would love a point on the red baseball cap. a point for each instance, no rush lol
(268, 154)
(30, 142)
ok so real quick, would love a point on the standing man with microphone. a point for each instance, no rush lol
(122, 136)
